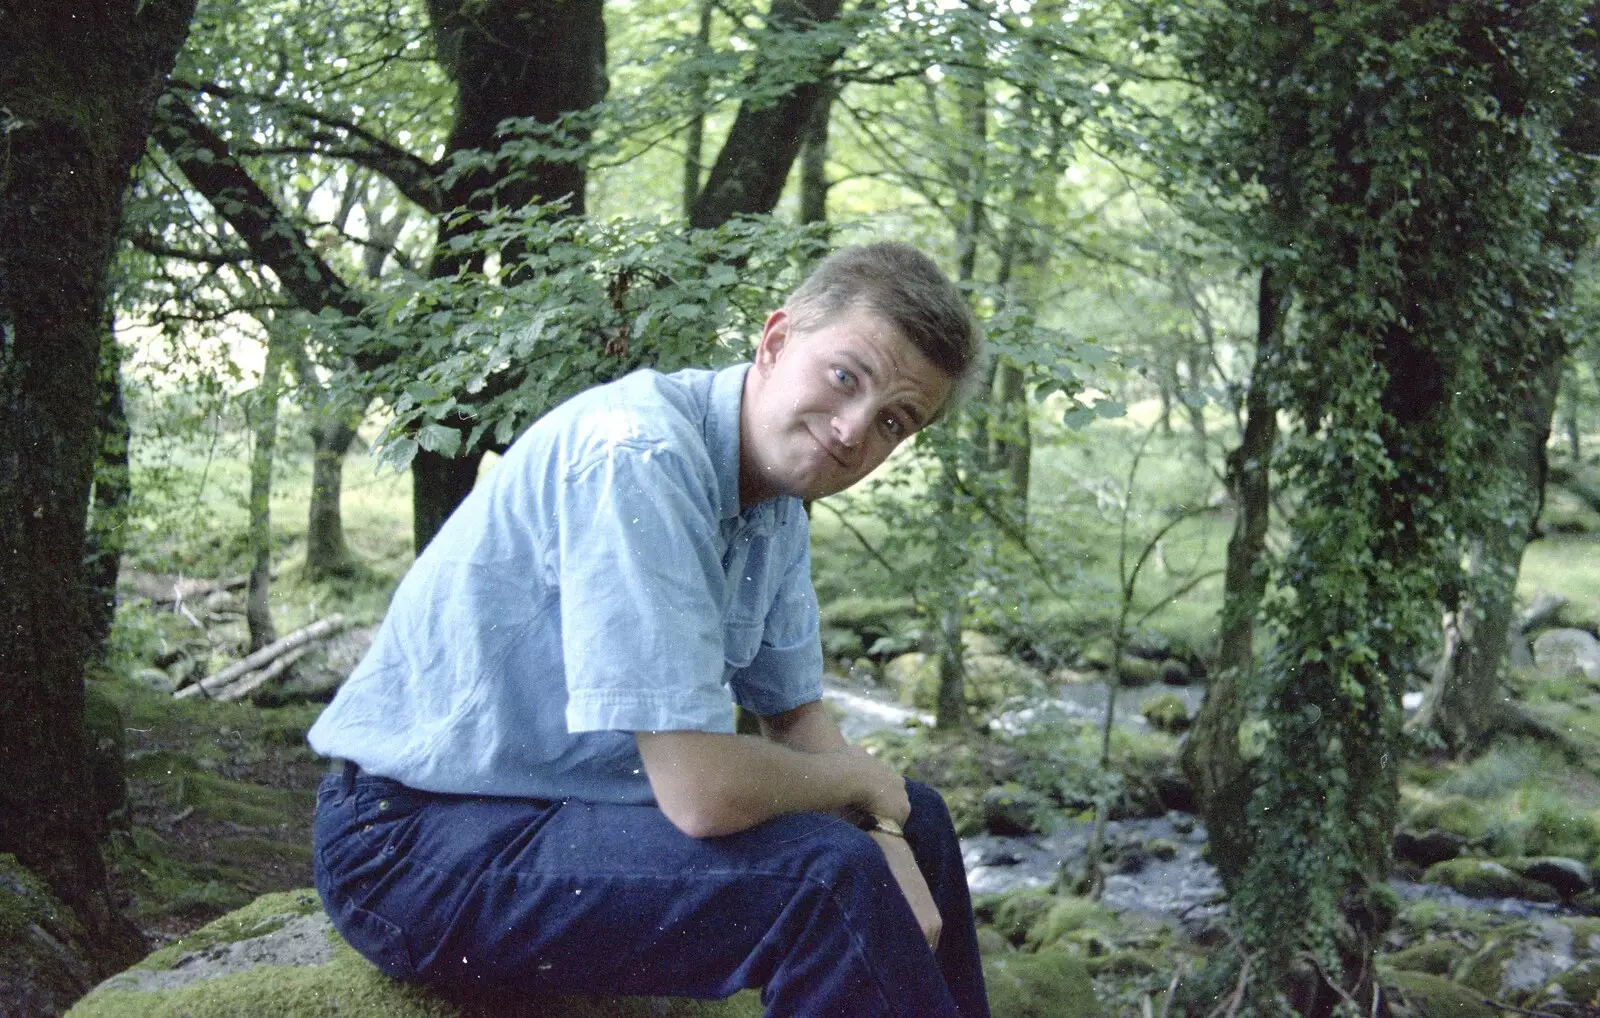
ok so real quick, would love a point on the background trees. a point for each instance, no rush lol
(440, 219)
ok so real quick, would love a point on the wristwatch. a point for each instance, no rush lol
(870, 822)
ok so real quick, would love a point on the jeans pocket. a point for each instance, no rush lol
(377, 940)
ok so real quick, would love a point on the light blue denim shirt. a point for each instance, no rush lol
(601, 581)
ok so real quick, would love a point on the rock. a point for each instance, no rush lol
(1564, 652)
(1543, 612)
(1534, 964)
(1429, 996)
(1014, 914)
(1436, 957)
(1176, 793)
(279, 957)
(1051, 984)
(994, 677)
(44, 962)
(977, 644)
(840, 644)
(1175, 672)
(1166, 713)
(1567, 876)
(155, 678)
(864, 670)
(1485, 878)
(1012, 811)
(915, 679)
(1139, 671)
(1427, 848)
(1162, 848)
(1069, 914)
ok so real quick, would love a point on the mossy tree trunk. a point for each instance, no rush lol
(106, 535)
(1210, 756)
(263, 443)
(534, 59)
(77, 84)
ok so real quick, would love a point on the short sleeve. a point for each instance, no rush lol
(641, 590)
(787, 670)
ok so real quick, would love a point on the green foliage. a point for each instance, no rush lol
(1394, 166)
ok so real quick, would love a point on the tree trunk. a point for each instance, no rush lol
(327, 552)
(814, 159)
(538, 59)
(950, 709)
(438, 485)
(1210, 756)
(695, 135)
(754, 163)
(105, 537)
(264, 439)
(77, 83)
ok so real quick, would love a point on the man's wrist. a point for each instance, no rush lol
(879, 824)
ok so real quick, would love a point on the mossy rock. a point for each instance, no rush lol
(1434, 997)
(1069, 915)
(1014, 914)
(1049, 985)
(1534, 963)
(1435, 957)
(44, 964)
(280, 958)
(1486, 878)
(1454, 814)
(1166, 713)
(869, 615)
(915, 679)
(1127, 962)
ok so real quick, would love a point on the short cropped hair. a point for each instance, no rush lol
(904, 287)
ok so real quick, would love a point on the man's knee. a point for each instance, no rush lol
(927, 805)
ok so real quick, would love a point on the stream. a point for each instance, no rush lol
(1185, 887)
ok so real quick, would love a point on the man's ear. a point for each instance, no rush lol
(774, 336)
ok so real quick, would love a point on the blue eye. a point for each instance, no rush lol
(844, 377)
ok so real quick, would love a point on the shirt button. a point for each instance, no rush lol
(383, 804)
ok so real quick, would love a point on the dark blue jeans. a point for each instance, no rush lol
(503, 894)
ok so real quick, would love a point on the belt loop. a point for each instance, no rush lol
(348, 777)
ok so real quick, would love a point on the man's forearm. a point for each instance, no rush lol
(711, 784)
(807, 728)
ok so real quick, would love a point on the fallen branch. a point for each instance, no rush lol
(252, 681)
(166, 589)
(272, 651)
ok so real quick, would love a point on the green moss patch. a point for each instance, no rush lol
(1049, 985)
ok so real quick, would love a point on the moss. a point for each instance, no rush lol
(1433, 997)
(1016, 913)
(1435, 957)
(347, 987)
(1069, 915)
(262, 916)
(1049, 985)
(1125, 963)
(1580, 984)
(1455, 814)
(1166, 713)
(1485, 878)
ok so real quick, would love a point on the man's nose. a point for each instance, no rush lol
(850, 425)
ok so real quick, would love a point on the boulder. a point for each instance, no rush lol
(1427, 848)
(1564, 652)
(1568, 876)
(279, 957)
(1175, 672)
(1543, 612)
(1012, 811)
(915, 679)
(1430, 996)
(1485, 878)
(44, 961)
(1538, 963)
(1436, 957)
(1166, 713)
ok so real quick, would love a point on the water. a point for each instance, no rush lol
(1183, 887)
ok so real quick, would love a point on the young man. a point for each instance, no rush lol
(543, 790)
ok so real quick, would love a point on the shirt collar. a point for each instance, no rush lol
(722, 434)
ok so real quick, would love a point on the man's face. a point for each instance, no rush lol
(823, 407)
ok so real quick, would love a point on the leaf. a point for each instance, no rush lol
(445, 441)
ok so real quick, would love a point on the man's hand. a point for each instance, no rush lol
(904, 867)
